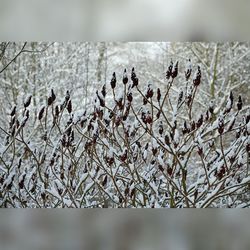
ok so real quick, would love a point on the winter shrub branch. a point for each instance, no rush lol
(135, 148)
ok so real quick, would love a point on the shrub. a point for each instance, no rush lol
(134, 148)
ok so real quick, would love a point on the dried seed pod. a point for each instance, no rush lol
(40, 114)
(161, 128)
(149, 118)
(63, 140)
(53, 96)
(113, 81)
(196, 194)
(69, 106)
(110, 160)
(200, 150)
(193, 125)
(13, 131)
(125, 77)
(221, 126)
(104, 90)
(43, 195)
(104, 182)
(199, 122)
(145, 100)
(130, 97)
(247, 118)
(188, 99)
(101, 100)
(188, 71)
(180, 98)
(67, 97)
(175, 71)
(229, 103)
(132, 194)
(239, 103)
(57, 111)
(118, 121)
(154, 151)
(126, 192)
(232, 159)
(27, 101)
(221, 172)
(158, 95)
(134, 78)
(124, 156)
(13, 111)
(72, 136)
(120, 103)
(150, 92)
(169, 170)
(197, 79)
(231, 97)
(133, 75)
(169, 71)
(2, 179)
(21, 183)
(135, 82)
(50, 100)
(207, 115)
(211, 107)
(185, 129)
(167, 140)
(248, 148)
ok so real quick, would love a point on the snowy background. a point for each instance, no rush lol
(74, 134)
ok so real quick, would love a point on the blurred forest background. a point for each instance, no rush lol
(36, 67)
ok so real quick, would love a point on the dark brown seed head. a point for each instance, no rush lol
(67, 97)
(113, 81)
(13, 111)
(125, 77)
(130, 97)
(158, 95)
(188, 71)
(239, 103)
(150, 92)
(135, 82)
(69, 106)
(104, 90)
(50, 100)
(220, 126)
(175, 71)
(197, 79)
(57, 111)
(133, 75)
(40, 114)
(169, 71)
(53, 96)
(27, 101)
